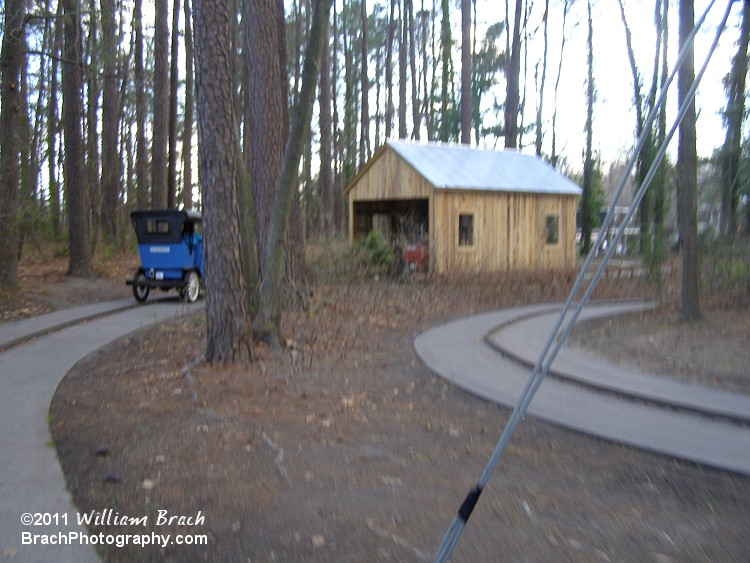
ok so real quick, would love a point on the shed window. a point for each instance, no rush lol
(465, 229)
(553, 229)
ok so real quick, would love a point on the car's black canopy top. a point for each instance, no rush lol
(165, 226)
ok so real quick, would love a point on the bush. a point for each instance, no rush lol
(378, 251)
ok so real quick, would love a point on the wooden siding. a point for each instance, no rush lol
(509, 228)
(510, 231)
(386, 177)
(389, 177)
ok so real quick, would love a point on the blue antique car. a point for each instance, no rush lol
(171, 251)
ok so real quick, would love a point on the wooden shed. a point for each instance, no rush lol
(476, 210)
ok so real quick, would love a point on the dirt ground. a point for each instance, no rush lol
(344, 447)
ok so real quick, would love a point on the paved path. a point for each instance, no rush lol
(31, 480)
(491, 355)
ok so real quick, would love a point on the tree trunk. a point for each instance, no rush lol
(11, 61)
(93, 202)
(553, 153)
(187, 132)
(466, 72)
(229, 330)
(141, 154)
(686, 176)
(364, 142)
(512, 100)
(74, 168)
(587, 210)
(446, 49)
(540, 106)
(409, 6)
(402, 73)
(174, 78)
(389, 71)
(734, 116)
(337, 199)
(269, 314)
(53, 127)
(267, 109)
(110, 122)
(160, 123)
(325, 201)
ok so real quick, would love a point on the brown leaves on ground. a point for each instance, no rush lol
(343, 447)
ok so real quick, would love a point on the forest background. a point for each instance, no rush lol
(99, 109)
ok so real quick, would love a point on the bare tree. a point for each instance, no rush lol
(553, 153)
(92, 160)
(729, 156)
(229, 329)
(364, 138)
(267, 105)
(325, 203)
(403, 37)
(446, 48)
(389, 70)
(161, 106)
(141, 154)
(53, 126)
(174, 79)
(74, 166)
(415, 111)
(11, 61)
(466, 72)
(542, 82)
(588, 213)
(512, 99)
(268, 319)
(187, 131)
(686, 175)
(110, 122)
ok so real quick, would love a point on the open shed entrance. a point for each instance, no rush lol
(402, 221)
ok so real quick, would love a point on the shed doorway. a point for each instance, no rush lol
(401, 221)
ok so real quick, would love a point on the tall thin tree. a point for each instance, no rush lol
(415, 110)
(74, 166)
(110, 121)
(542, 82)
(161, 106)
(325, 188)
(447, 79)
(403, 37)
(174, 80)
(687, 174)
(267, 105)
(11, 61)
(466, 73)
(268, 319)
(729, 155)
(187, 131)
(587, 199)
(364, 138)
(513, 82)
(141, 154)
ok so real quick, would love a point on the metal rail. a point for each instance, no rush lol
(548, 354)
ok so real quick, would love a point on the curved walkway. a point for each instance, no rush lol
(492, 355)
(31, 480)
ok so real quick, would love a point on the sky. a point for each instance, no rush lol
(614, 116)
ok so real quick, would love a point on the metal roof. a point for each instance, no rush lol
(464, 168)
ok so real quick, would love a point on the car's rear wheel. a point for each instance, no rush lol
(192, 287)
(140, 292)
